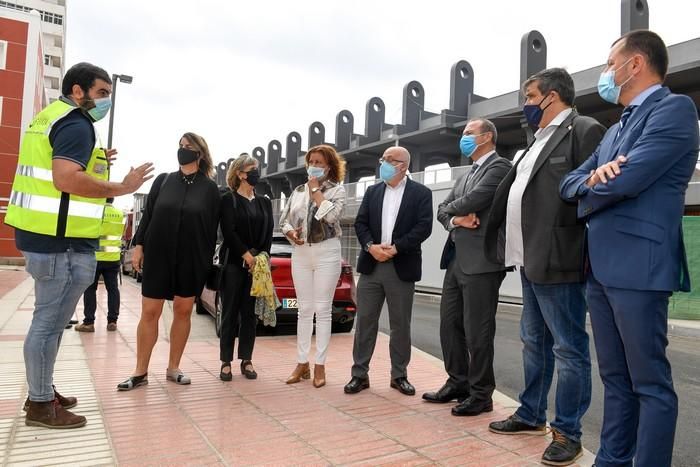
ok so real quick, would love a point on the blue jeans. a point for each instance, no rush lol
(59, 281)
(553, 329)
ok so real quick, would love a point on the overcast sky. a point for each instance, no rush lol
(243, 73)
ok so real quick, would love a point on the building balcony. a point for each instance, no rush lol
(50, 28)
(52, 71)
(50, 49)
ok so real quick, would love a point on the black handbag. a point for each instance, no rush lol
(216, 273)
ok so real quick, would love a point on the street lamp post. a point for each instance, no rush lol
(115, 78)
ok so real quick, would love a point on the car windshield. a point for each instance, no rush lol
(281, 247)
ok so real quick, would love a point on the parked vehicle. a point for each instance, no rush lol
(127, 268)
(344, 300)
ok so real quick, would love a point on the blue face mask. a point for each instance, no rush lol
(101, 108)
(533, 113)
(607, 89)
(387, 171)
(317, 172)
(467, 144)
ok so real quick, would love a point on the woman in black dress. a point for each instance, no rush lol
(246, 223)
(175, 244)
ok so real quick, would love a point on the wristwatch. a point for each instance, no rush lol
(314, 190)
(367, 245)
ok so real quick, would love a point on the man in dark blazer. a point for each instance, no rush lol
(632, 193)
(395, 217)
(544, 240)
(472, 281)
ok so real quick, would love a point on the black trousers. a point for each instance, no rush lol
(238, 319)
(110, 271)
(468, 327)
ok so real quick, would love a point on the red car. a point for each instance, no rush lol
(343, 314)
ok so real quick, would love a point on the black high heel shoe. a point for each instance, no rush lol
(226, 376)
(250, 374)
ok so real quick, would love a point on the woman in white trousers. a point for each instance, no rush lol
(311, 222)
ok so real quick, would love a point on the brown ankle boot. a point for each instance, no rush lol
(319, 375)
(66, 402)
(301, 371)
(52, 415)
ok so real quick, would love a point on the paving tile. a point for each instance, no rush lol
(243, 422)
(403, 458)
(351, 453)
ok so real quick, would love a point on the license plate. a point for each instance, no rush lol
(289, 303)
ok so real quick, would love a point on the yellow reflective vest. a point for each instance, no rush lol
(111, 235)
(35, 202)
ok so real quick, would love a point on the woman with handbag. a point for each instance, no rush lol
(175, 243)
(311, 222)
(246, 223)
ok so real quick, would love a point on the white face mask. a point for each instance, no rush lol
(317, 172)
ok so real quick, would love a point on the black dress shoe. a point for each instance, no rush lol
(225, 375)
(356, 385)
(403, 386)
(73, 321)
(472, 407)
(445, 394)
(247, 369)
(562, 450)
(512, 426)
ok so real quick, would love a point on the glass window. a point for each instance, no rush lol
(3, 54)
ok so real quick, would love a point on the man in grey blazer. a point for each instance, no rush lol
(471, 284)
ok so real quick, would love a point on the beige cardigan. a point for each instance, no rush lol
(296, 209)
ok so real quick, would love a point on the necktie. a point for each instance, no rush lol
(475, 167)
(626, 114)
(471, 173)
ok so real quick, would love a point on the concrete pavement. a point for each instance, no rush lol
(260, 422)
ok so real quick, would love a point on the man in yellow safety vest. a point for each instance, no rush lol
(108, 257)
(56, 208)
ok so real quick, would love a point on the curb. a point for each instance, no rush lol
(676, 327)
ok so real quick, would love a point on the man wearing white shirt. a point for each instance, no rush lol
(395, 217)
(544, 240)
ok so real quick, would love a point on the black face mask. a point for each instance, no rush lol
(186, 156)
(253, 177)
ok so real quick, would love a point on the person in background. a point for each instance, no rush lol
(56, 208)
(311, 222)
(175, 245)
(246, 224)
(394, 219)
(631, 191)
(108, 257)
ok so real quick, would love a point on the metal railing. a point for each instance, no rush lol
(354, 192)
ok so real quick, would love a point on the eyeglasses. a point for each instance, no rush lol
(395, 163)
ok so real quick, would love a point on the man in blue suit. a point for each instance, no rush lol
(632, 192)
